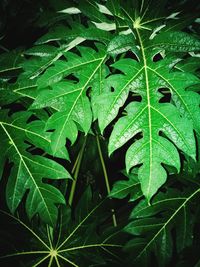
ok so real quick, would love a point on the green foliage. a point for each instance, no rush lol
(28, 170)
(108, 94)
(74, 241)
(155, 223)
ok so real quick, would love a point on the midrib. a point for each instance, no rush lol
(74, 67)
(75, 102)
(168, 221)
(25, 165)
(149, 108)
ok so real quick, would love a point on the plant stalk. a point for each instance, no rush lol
(106, 178)
(72, 171)
(75, 170)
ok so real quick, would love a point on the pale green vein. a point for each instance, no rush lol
(75, 102)
(25, 226)
(73, 67)
(40, 261)
(24, 253)
(89, 246)
(176, 129)
(67, 260)
(152, 20)
(44, 166)
(49, 236)
(50, 261)
(149, 111)
(10, 69)
(79, 225)
(73, 43)
(24, 88)
(174, 89)
(16, 182)
(25, 130)
(124, 87)
(158, 203)
(124, 189)
(29, 172)
(167, 222)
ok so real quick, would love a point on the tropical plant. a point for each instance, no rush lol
(111, 89)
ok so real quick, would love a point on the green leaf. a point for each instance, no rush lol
(38, 63)
(70, 98)
(62, 33)
(22, 88)
(184, 229)
(122, 43)
(113, 6)
(154, 224)
(28, 171)
(41, 51)
(10, 62)
(123, 188)
(97, 84)
(62, 68)
(7, 96)
(75, 239)
(176, 41)
(149, 117)
(91, 8)
(81, 234)
(36, 129)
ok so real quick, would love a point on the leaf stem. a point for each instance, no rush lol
(90, 246)
(57, 262)
(26, 227)
(50, 261)
(67, 260)
(75, 170)
(166, 223)
(72, 171)
(49, 236)
(40, 261)
(79, 225)
(24, 253)
(106, 177)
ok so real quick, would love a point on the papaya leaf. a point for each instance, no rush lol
(153, 225)
(69, 98)
(150, 117)
(176, 42)
(29, 170)
(74, 242)
(123, 188)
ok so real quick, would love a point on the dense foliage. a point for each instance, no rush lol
(100, 133)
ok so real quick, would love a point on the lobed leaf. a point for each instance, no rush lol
(28, 171)
(70, 98)
(153, 226)
(156, 122)
(176, 41)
